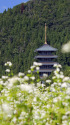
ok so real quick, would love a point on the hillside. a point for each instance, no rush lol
(22, 31)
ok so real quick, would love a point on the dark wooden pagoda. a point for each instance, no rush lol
(46, 57)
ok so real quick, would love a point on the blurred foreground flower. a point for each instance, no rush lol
(66, 47)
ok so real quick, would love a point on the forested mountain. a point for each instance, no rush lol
(22, 31)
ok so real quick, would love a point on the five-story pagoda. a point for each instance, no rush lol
(46, 57)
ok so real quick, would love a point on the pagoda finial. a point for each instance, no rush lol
(45, 34)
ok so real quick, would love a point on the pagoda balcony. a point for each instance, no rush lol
(44, 70)
(47, 67)
(45, 56)
(45, 61)
(49, 63)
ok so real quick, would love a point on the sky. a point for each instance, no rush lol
(5, 4)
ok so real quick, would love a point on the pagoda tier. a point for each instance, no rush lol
(47, 58)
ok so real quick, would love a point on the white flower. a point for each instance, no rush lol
(7, 108)
(55, 65)
(59, 66)
(39, 84)
(14, 120)
(64, 117)
(39, 64)
(37, 68)
(57, 69)
(48, 106)
(7, 70)
(26, 78)
(8, 64)
(68, 112)
(68, 91)
(65, 79)
(15, 111)
(48, 81)
(32, 67)
(64, 85)
(33, 78)
(4, 77)
(29, 71)
(66, 47)
(64, 122)
(20, 74)
(35, 63)
(61, 76)
(26, 87)
(43, 85)
(45, 75)
(55, 100)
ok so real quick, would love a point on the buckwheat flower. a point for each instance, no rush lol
(35, 63)
(21, 123)
(4, 77)
(55, 65)
(59, 66)
(66, 47)
(48, 106)
(52, 89)
(26, 87)
(39, 84)
(64, 85)
(57, 69)
(64, 117)
(43, 85)
(47, 123)
(15, 111)
(64, 122)
(55, 83)
(68, 91)
(26, 78)
(6, 108)
(29, 71)
(5, 64)
(9, 115)
(48, 81)
(65, 104)
(33, 78)
(61, 76)
(7, 70)
(67, 97)
(55, 100)
(45, 75)
(1, 82)
(59, 84)
(53, 77)
(39, 64)
(37, 68)
(14, 120)
(8, 64)
(65, 79)
(61, 73)
(20, 74)
(32, 67)
(68, 113)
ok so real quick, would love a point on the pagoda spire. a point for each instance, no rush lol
(45, 35)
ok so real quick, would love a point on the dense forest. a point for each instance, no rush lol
(22, 31)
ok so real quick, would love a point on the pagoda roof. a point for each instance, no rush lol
(45, 70)
(46, 47)
(46, 56)
(49, 63)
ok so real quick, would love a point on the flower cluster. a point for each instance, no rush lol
(24, 100)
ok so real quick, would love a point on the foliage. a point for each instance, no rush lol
(22, 31)
(24, 99)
